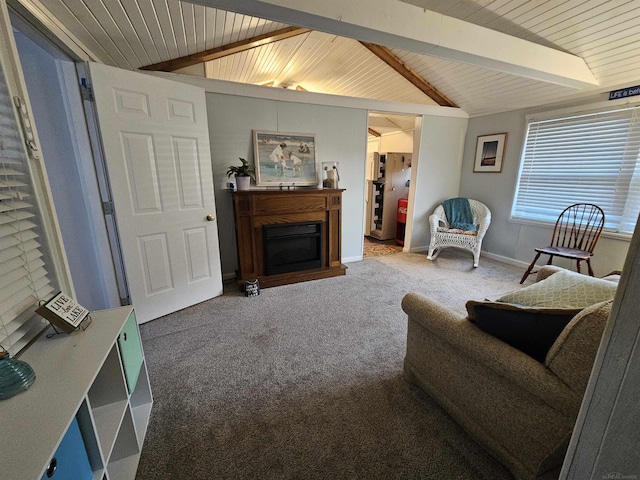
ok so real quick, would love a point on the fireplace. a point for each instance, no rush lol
(292, 247)
(288, 236)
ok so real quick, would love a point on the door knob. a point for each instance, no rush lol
(210, 218)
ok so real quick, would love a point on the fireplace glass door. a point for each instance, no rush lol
(292, 247)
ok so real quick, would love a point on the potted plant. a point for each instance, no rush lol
(244, 173)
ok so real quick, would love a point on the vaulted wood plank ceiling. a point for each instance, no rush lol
(383, 53)
(136, 33)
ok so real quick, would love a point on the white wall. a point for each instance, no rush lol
(400, 142)
(341, 135)
(506, 238)
(435, 175)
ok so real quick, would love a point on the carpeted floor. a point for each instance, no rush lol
(305, 381)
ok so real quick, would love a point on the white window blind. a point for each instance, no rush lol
(23, 274)
(583, 158)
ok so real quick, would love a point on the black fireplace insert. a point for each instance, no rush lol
(292, 247)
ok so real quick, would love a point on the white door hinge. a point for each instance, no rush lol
(108, 208)
(87, 91)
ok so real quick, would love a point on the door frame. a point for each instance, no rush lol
(104, 187)
(84, 149)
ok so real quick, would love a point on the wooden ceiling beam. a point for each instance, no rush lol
(225, 50)
(391, 59)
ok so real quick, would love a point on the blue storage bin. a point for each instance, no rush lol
(70, 462)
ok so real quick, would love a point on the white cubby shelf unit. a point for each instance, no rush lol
(97, 376)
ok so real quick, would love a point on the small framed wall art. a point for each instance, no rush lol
(490, 152)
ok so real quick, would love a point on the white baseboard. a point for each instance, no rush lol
(507, 260)
(492, 256)
(231, 276)
(357, 258)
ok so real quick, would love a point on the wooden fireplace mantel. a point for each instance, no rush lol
(254, 209)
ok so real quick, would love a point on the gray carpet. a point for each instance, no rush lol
(305, 381)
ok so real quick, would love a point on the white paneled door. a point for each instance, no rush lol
(156, 147)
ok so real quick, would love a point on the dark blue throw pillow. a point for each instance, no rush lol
(532, 330)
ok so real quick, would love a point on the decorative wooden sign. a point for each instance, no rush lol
(63, 312)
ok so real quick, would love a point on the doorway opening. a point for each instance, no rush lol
(390, 150)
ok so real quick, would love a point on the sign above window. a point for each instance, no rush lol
(624, 92)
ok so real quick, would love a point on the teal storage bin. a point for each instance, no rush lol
(70, 462)
(131, 351)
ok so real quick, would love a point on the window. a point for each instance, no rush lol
(582, 158)
(25, 278)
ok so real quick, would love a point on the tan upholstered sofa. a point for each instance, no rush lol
(520, 409)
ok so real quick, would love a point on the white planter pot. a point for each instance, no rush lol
(243, 183)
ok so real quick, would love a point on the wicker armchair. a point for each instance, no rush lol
(443, 236)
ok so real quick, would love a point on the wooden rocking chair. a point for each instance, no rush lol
(575, 236)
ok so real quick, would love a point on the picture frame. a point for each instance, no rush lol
(63, 312)
(490, 153)
(295, 163)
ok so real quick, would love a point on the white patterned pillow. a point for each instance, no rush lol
(564, 289)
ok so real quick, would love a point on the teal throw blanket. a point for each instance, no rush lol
(458, 212)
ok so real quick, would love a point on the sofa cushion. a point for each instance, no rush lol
(564, 289)
(572, 355)
(532, 330)
(457, 231)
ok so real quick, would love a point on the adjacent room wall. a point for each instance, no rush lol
(400, 142)
(341, 135)
(506, 239)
